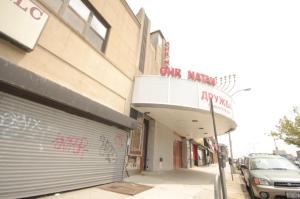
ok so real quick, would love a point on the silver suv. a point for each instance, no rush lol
(271, 176)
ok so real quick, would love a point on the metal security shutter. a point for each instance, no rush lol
(44, 150)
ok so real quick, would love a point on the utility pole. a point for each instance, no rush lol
(221, 169)
(230, 145)
(276, 148)
(229, 133)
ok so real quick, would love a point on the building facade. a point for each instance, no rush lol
(66, 74)
(173, 111)
(87, 97)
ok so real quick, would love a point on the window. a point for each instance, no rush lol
(98, 27)
(80, 8)
(53, 4)
(84, 18)
(272, 163)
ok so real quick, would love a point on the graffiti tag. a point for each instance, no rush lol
(12, 123)
(107, 149)
(70, 143)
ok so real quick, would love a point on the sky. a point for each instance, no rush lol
(257, 40)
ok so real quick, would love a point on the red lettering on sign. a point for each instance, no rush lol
(166, 63)
(223, 102)
(197, 77)
(201, 78)
(168, 71)
(18, 3)
(204, 96)
(166, 56)
(34, 11)
(191, 75)
(166, 52)
(212, 81)
(163, 71)
(177, 73)
(216, 98)
(171, 72)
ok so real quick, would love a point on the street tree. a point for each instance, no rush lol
(288, 130)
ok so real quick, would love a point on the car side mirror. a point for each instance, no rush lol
(243, 166)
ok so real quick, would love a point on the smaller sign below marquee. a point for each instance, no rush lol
(22, 22)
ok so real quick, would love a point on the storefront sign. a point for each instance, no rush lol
(179, 92)
(22, 21)
(201, 78)
(166, 55)
(166, 70)
(220, 102)
(195, 76)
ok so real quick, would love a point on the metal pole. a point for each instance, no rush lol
(231, 167)
(221, 170)
(276, 148)
(217, 187)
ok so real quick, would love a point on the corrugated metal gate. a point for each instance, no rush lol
(45, 150)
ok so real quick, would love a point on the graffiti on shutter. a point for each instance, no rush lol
(107, 149)
(12, 121)
(71, 143)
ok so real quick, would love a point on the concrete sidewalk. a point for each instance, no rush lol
(236, 188)
(195, 183)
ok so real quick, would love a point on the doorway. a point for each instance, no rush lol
(143, 162)
(177, 154)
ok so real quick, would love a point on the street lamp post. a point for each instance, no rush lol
(276, 148)
(229, 132)
(246, 89)
(230, 145)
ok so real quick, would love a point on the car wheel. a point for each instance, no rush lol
(252, 193)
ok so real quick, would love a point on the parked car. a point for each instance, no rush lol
(271, 176)
(239, 162)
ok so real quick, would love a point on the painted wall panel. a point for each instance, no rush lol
(164, 140)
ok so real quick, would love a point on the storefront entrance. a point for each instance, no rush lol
(143, 165)
(177, 154)
(195, 152)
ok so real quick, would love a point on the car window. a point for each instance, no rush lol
(271, 164)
